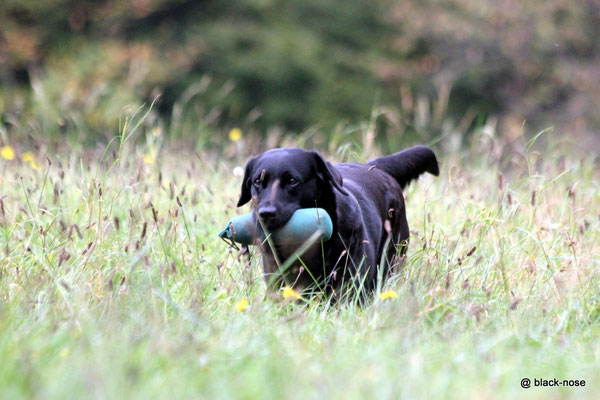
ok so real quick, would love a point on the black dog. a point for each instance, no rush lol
(364, 201)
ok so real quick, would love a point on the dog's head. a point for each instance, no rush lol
(281, 181)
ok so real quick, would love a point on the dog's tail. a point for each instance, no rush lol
(408, 164)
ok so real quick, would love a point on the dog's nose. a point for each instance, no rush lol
(266, 212)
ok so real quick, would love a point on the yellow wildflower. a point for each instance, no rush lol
(235, 134)
(148, 159)
(156, 131)
(34, 165)
(289, 293)
(27, 156)
(8, 153)
(241, 305)
(388, 294)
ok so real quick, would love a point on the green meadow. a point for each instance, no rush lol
(114, 284)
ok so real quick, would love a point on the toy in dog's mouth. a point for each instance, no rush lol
(302, 225)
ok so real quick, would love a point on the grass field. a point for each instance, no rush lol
(113, 283)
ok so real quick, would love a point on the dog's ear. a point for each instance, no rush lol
(328, 173)
(245, 194)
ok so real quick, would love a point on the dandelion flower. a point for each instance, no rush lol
(241, 305)
(34, 165)
(289, 293)
(148, 159)
(388, 294)
(27, 156)
(7, 153)
(235, 134)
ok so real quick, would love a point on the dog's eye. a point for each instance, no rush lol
(292, 181)
(257, 181)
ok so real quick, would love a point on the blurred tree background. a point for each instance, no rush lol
(296, 64)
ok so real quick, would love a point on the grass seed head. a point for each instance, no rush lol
(144, 229)
(78, 231)
(155, 215)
